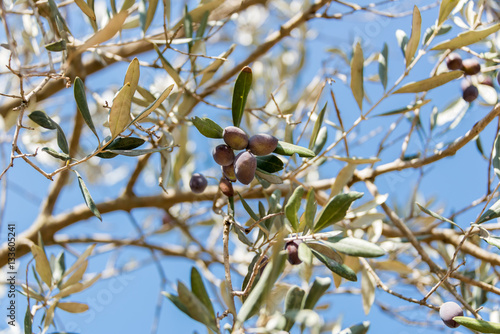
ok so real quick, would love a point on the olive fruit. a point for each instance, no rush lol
(486, 80)
(262, 144)
(470, 93)
(471, 66)
(198, 183)
(292, 248)
(454, 61)
(226, 187)
(228, 172)
(223, 155)
(245, 165)
(236, 138)
(448, 311)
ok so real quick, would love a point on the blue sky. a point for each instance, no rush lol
(126, 303)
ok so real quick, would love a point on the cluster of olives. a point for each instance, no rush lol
(240, 167)
(470, 67)
(448, 311)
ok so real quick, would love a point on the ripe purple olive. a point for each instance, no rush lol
(470, 93)
(245, 166)
(226, 187)
(198, 183)
(223, 155)
(262, 144)
(448, 311)
(263, 264)
(236, 138)
(228, 172)
(292, 248)
(454, 61)
(471, 66)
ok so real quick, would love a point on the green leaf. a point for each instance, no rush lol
(136, 153)
(361, 328)
(492, 212)
(429, 31)
(207, 127)
(86, 195)
(56, 46)
(403, 110)
(42, 119)
(293, 302)
(293, 206)
(188, 26)
(478, 325)
(199, 290)
(120, 143)
(86, 9)
(58, 267)
(445, 9)
(248, 209)
(261, 290)
(357, 75)
(496, 156)
(467, 38)
(111, 29)
(55, 154)
(355, 247)
(285, 148)
(119, 115)
(414, 40)
(402, 40)
(335, 210)
(269, 163)
(170, 70)
(317, 127)
(27, 322)
(61, 139)
(271, 178)
(240, 94)
(132, 75)
(340, 269)
(382, 65)
(325, 250)
(153, 4)
(321, 140)
(430, 83)
(81, 103)
(436, 215)
(42, 264)
(196, 309)
(153, 106)
(177, 302)
(318, 289)
(310, 212)
(494, 241)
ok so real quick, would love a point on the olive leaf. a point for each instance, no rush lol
(478, 325)
(318, 288)
(382, 65)
(414, 40)
(269, 163)
(200, 291)
(467, 38)
(292, 206)
(339, 269)
(81, 103)
(285, 148)
(240, 94)
(42, 119)
(430, 83)
(207, 127)
(335, 210)
(357, 65)
(86, 195)
(119, 115)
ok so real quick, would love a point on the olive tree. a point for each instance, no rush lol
(281, 147)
